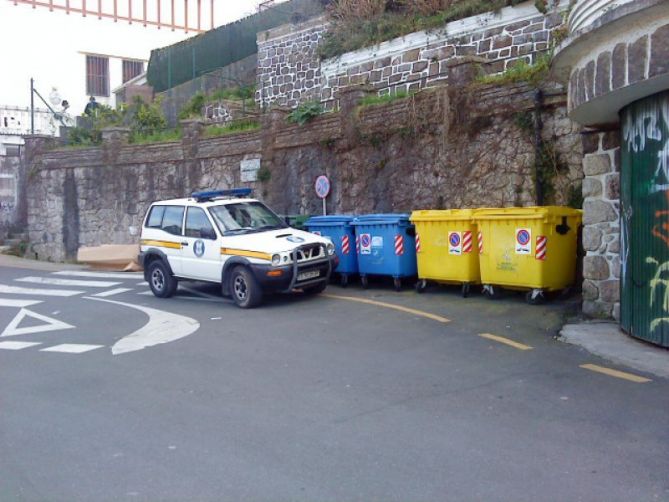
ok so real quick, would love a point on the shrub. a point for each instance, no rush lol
(231, 128)
(305, 112)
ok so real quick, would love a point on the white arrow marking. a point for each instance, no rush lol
(163, 327)
(18, 303)
(17, 290)
(72, 348)
(51, 324)
(68, 282)
(17, 345)
(100, 275)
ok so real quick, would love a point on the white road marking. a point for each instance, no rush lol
(100, 275)
(6, 302)
(113, 292)
(68, 282)
(17, 345)
(143, 283)
(51, 324)
(17, 290)
(146, 293)
(72, 348)
(163, 327)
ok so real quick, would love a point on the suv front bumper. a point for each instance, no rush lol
(286, 278)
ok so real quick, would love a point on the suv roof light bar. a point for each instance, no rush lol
(213, 194)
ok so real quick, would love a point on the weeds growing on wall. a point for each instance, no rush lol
(522, 71)
(306, 112)
(384, 99)
(195, 105)
(236, 126)
(157, 136)
(361, 23)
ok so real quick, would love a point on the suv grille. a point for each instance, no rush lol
(310, 252)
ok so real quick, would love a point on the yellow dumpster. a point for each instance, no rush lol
(530, 248)
(446, 248)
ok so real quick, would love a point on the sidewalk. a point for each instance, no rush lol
(607, 340)
(16, 262)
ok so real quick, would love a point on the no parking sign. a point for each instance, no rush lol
(454, 243)
(523, 241)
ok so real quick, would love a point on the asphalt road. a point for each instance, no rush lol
(314, 399)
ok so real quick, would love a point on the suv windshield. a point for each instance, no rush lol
(244, 217)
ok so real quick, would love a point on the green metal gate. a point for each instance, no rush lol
(644, 184)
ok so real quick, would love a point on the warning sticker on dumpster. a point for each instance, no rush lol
(365, 244)
(454, 243)
(523, 241)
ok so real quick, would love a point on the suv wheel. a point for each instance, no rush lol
(244, 288)
(161, 282)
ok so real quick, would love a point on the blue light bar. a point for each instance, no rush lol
(213, 194)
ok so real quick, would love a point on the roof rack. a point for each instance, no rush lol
(216, 194)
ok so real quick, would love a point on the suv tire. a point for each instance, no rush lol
(244, 288)
(161, 282)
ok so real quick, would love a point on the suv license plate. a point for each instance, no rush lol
(305, 276)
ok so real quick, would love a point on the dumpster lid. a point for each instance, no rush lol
(533, 212)
(442, 215)
(330, 219)
(381, 219)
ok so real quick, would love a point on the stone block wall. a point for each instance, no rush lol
(601, 225)
(442, 148)
(289, 70)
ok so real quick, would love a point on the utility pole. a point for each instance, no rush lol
(32, 106)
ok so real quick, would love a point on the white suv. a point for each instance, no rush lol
(224, 237)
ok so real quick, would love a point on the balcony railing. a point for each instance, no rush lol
(15, 120)
(586, 12)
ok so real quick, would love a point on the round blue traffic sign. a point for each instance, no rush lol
(322, 186)
(523, 237)
(455, 239)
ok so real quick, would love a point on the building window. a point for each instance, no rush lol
(97, 76)
(131, 69)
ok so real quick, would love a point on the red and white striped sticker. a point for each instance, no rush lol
(467, 242)
(480, 242)
(345, 244)
(357, 244)
(542, 244)
(399, 245)
(417, 243)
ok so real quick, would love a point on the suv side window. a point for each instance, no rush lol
(198, 225)
(173, 219)
(155, 219)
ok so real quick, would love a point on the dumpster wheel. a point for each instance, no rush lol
(421, 286)
(343, 280)
(397, 283)
(364, 281)
(535, 297)
(491, 292)
(465, 290)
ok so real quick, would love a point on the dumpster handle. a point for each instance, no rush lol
(411, 231)
(563, 228)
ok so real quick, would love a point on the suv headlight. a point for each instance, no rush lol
(331, 248)
(276, 260)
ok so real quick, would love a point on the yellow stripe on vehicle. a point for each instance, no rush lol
(161, 244)
(247, 254)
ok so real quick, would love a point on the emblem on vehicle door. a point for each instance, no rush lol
(198, 248)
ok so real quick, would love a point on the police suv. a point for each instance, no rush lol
(224, 237)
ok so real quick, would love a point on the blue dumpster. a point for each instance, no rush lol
(338, 228)
(386, 246)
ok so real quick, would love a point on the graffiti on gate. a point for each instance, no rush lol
(660, 281)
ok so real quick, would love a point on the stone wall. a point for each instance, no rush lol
(449, 147)
(601, 225)
(10, 174)
(289, 70)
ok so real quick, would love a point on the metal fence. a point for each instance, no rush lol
(222, 46)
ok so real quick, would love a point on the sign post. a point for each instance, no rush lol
(322, 187)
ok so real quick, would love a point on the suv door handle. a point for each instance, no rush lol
(184, 244)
